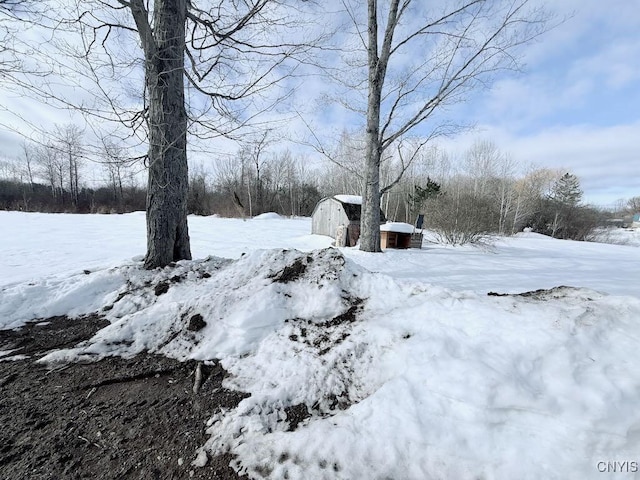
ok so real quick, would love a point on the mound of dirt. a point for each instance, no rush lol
(117, 418)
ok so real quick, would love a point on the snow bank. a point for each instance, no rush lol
(268, 216)
(73, 295)
(429, 384)
(237, 304)
(353, 374)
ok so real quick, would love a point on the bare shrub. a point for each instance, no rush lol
(461, 219)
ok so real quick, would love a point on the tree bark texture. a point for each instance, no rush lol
(377, 67)
(370, 214)
(164, 46)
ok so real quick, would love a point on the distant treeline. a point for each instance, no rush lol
(482, 192)
(36, 197)
(459, 215)
(203, 199)
(51, 177)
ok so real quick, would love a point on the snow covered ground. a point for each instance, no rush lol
(403, 365)
(618, 236)
(36, 245)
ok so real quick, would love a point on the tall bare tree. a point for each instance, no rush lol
(28, 154)
(253, 152)
(52, 167)
(197, 60)
(162, 36)
(633, 205)
(421, 57)
(116, 165)
(67, 140)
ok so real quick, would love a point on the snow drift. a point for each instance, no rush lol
(353, 374)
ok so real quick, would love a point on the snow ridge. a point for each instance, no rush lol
(352, 374)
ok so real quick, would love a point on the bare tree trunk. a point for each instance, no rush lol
(555, 225)
(516, 215)
(28, 159)
(259, 199)
(114, 185)
(61, 180)
(164, 47)
(120, 189)
(370, 215)
(409, 205)
(377, 66)
(75, 182)
(249, 195)
(71, 193)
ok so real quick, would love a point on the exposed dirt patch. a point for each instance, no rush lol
(540, 294)
(41, 336)
(291, 272)
(347, 317)
(161, 288)
(296, 414)
(196, 323)
(114, 419)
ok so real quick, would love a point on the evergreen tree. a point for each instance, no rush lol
(421, 194)
(566, 190)
(561, 215)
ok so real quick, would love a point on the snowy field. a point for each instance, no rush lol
(36, 245)
(406, 367)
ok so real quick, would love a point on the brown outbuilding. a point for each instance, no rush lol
(400, 235)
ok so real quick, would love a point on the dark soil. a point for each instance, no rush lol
(540, 294)
(290, 273)
(113, 419)
(296, 414)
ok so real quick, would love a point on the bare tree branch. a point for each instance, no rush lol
(464, 45)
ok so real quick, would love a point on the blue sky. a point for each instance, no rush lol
(575, 106)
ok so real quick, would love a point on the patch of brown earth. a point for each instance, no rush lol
(135, 418)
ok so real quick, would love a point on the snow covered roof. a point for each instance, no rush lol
(351, 204)
(352, 199)
(398, 227)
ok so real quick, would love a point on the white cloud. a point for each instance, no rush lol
(518, 102)
(605, 159)
(573, 71)
(613, 65)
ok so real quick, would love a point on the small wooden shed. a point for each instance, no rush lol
(333, 215)
(400, 235)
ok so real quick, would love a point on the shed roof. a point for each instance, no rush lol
(352, 206)
(398, 227)
(354, 199)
